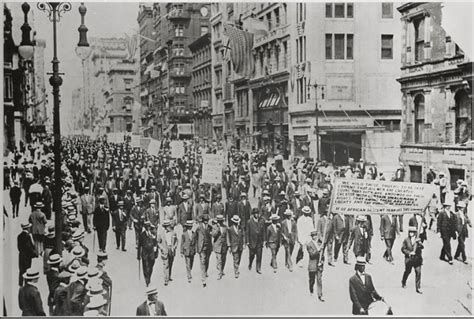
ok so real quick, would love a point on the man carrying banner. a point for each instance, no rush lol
(359, 236)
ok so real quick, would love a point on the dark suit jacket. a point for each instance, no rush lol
(116, 219)
(274, 237)
(255, 233)
(113, 203)
(29, 300)
(314, 253)
(408, 247)
(185, 214)
(388, 228)
(244, 210)
(414, 223)
(143, 310)
(360, 242)
(203, 235)
(221, 240)
(77, 293)
(362, 295)
(52, 277)
(188, 244)
(289, 235)
(236, 239)
(341, 228)
(461, 227)
(101, 219)
(61, 302)
(231, 209)
(446, 225)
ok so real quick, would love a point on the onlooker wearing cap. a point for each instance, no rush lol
(38, 224)
(188, 247)
(289, 235)
(361, 289)
(431, 175)
(236, 242)
(61, 305)
(462, 221)
(316, 263)
(389, 230)
(87, 204)
(119, 225)
(243, 211)
(221, 243)
(101, 222)
(167, 243)
(147, 250)
(77, 292)
(411, 248)
(273, 239)
(255, 238)
(152, 306)
(52, 277)
(359, 236)
(15, 197)
(29, 297)
(446, 226)
(204, 245)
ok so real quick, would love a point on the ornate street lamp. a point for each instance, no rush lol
(55, 11)
(26, 49)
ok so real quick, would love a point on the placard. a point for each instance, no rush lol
(177, 149)
(212, 168)
(135, 141)
(154, 147)
(359, 196)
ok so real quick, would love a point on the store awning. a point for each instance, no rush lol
(168, 129)
(185, 129)
(270, 100)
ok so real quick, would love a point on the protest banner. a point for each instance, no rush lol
(154, 147)
(360, 196)
(135, 140)
(212, 168)
(177, 149)
(144, 142)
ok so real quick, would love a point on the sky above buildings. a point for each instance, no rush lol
(103, 20)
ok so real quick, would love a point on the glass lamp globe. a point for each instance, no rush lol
(83, 52)
(26, 51)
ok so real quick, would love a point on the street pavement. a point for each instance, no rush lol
(446, 288)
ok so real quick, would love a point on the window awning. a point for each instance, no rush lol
(270, 100)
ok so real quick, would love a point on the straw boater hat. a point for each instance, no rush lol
(325, 191)
(189, 223)
(274, 217)
(185, 196)
(314, 232)
(243, 194)
(152, 201)
(64, 274)
(360, 261)
(361, 218)
(219, 217)
(25, 225)
(39, 205)
(151, 290)
(461, 204)
(306, 210)
(96, 302)
(94, 273)
(31, 274)
(288, 212)
(94, 288)
(78, 234)
(91, 313)
(411, 229)
(166, 223)
(120, 203)
(78, 252)
(235, 219)
(54, 259)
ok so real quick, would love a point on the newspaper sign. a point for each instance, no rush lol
(154, 147)
(135, 141)
(177, 149)
(359, 196)
(212, 168)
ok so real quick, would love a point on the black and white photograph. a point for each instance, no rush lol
(282, 158)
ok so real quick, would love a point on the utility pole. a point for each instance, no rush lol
(316, 111)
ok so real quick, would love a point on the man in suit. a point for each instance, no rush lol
(87, 205)
(169, 212)
(341, 225)
(296, 204)
(61, 298)
(389, 230)
(325, 232)
(221, 243)
(15, 196)
(462, 221)
(419, 222)
(152, 306)
(52, 277)
(188, 247)
(27, 250)
(361, 289)
(236, 242)
(323, 203)
(204, 246)
(243, 211)
(77, 292)
(231, 209)
(289, 236)
(38, 224)
(411, 248)
(137, 215)
(167, 243)
(29, 297)
(101, 222)
(147, 250)
(359, 236)
(119, 224)
(255, 239)
(154, 195)
(273, 238)
(201, 207)
(217, 207)
(316, 263)
(129, 202)
(446, 226)
(185, 210)
(114, 199)
(152, 213)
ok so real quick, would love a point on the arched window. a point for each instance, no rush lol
(463, 117)
(419, 118)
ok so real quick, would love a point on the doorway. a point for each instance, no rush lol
(454, 175)
(415, 174)
(337, 148)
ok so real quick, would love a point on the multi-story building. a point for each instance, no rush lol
(201, 84)
(38, 113)
(436, 84)
(77, 104)
(344, 97)
(120, 95)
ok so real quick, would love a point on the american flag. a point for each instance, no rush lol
(241, 44)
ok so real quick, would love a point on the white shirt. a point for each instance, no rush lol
(152, 308)
(169, 236)
(362, 277)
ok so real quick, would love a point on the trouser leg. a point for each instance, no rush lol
(345, 250)
(329, 248)
(447, 247)
(319, 282)
(274, 258)
(166, 271)
(259, 258)
(408, 267)
(252, 252)
(312, 277)
(236, 256)
(202, 259)
(84, 222)
(146, 269)
(188, 265)
(418, 277)
(368, 254)
(219, 265)
(463, 247)
(117, 237)
(337, 247)
(123, 234)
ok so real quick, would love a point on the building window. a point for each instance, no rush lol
(269, 20)
(350, 46)
(179, 30)
(328, 10)
(277, 58)
(301, 12)
(350, 10)
(328, 46)
(463, 117)
(178, 50)
(419, 39)
(277, 17)
(285, 55)
(8, 87)
(301, 87)
(301, 49)
(387, 46)
(339, 10)
(419, 118)
(390, 125)
(339, 46)
(128, 84)
(387, 10)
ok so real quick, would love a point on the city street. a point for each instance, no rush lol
(446, 288)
